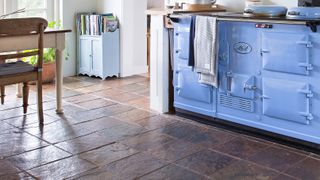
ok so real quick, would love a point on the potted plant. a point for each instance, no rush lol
(49, 59)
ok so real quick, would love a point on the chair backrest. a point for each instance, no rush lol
(24, 27)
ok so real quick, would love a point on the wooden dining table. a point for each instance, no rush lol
(53, 38)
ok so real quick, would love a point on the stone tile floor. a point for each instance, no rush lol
(109, 132)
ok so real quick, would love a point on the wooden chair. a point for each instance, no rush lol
(21, 72)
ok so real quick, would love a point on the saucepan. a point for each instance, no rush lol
(201, 1)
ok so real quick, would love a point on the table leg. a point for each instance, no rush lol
(59, 81)
(19, 90)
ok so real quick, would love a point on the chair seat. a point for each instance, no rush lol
(13, 68)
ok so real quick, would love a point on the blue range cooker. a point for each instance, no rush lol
(269, 73)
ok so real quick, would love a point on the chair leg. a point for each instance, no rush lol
(25, 97)
(40, 105)
(2, 94)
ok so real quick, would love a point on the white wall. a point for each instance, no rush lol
(69, 10)
(133, 27)
(155, 4)
(239, 5)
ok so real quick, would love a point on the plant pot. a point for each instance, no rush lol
(48, 73)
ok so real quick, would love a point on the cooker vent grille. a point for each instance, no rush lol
(236, 103)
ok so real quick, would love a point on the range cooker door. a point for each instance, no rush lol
(288, 100)
(182, 46)
(188, 86)
(286, 52)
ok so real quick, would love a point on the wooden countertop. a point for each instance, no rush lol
(164, 12)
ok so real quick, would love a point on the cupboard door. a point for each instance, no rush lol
(296, 57)
(97, 61)
(288, 100)
(188, 87)
(85, 56)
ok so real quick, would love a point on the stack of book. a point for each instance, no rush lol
(96, 24)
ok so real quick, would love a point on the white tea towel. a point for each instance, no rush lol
(205, 49)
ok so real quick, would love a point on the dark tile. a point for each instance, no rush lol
(46, 106)
(284, 177)
(155, 122)
(276, 158)
(84, 143)
(147, 141)
(108, 154)
(38, 157)
(307, 169)
(11, 113)
(244, 171)
(18, 142)
(95, 104)
(100, 124)
(62, 169)
(128, 168)
(174, 150)
(242, 147)
(121, 132)
(181, 130)
(59, 131)
(206, 162)
(173, 172)
(69, 111)
(210, 138)
(19, 176)
(134, 115)
(29, 121)
(6, 168)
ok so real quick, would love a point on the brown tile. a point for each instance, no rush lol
(173, 172)
(276, 158)
(174, 150)
(80, 98)
(84, 143)
(147, 141)
(108, 154)
(68, 111)
(155, 122)
(6, 168)
(243, 171)
(62, 169)
(206, 162)
(65, 93)
(144, 92)
(100, 124)
(107, 93)
(141, 102)
(124, 97)
(77, 84)
(94, 88)
(132, 87)
(241, 147)
(128, 168)
(95, 104)
(38, 157)
(307, 169)
(18, 142)
(134, 115)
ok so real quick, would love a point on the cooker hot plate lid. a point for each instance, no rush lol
(304, 13)
(265, 10)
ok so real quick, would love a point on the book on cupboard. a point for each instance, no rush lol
(96, 24)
